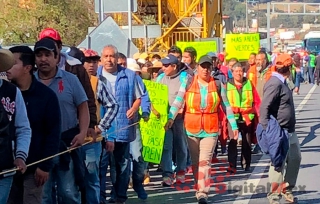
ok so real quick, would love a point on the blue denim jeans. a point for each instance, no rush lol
(298, 79)
(92, 160)
(121, 176)
(176, 136)
(138, 165)
(67, 190)
(311, 74)
(106, 160)
(5, 186)
(189, 162)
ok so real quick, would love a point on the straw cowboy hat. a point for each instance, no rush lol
(6, 60)
(156, 64)
(134, 67)
(144, 55)
(136, 56)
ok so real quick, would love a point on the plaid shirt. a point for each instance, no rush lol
(107, 101)
(3, 75)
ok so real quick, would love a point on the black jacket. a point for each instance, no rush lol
(45, 121)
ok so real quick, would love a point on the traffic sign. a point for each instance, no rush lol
(108, 32)
(115, 6)
(143, 31)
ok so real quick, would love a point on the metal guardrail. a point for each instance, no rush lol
(289, 10)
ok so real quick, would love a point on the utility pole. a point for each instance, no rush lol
(101, 11)
(268, 27)
(247, 16)
(129, 25)
(258, 12)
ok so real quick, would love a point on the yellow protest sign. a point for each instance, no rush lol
(152, 132)
(202, 48)
(240, 46)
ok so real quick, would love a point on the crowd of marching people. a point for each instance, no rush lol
(68, 117)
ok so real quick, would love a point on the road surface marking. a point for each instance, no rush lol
(305, 100)
(261, 166)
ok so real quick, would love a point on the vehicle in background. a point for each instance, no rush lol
(299, 46)
(291, 47)
(311, 41)
(287, 35)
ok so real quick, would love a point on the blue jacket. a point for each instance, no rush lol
(125, 96)
(145, 100)
(217, 74)
(274, 141)
(230, 74)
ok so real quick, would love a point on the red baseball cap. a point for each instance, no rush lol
(50, 33)
(91, 53)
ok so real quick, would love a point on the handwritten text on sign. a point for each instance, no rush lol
(202, 48)
(152, 132)
(240, 46)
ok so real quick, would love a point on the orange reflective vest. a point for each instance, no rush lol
(252, 76)
(241, 101)
(197, 118)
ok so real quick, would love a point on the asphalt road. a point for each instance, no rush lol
(254, 184)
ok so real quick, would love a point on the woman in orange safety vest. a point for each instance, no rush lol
(202, 97)
(245, 103)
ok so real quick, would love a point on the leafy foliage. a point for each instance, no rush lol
(21, 21)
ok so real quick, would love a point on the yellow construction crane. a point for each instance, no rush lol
(181, 20)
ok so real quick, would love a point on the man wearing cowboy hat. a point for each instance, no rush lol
(14, 129)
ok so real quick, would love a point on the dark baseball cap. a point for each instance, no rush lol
(170, 59)
(46, 44)
(205, 59)
(76, 53)
(212, 54)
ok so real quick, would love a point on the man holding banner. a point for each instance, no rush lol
(174, 78)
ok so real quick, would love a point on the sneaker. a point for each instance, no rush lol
(224, 150)
(111, 200)
(202, 200)
(180, 179)
(274, 201)
(274, 198)
(103, 201)
(167, 182)
(159, 169)
(189, 170)
(130, 183)
(256, 149)
(146, 179)
(231, 170)
(289, 197)
(141, 192)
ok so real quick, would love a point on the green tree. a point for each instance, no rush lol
(240, 11)
(21, 21)
(309, 18)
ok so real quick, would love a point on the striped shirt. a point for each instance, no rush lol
(108, 102)
(180, 100)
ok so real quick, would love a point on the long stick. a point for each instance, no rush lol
(66, 151)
